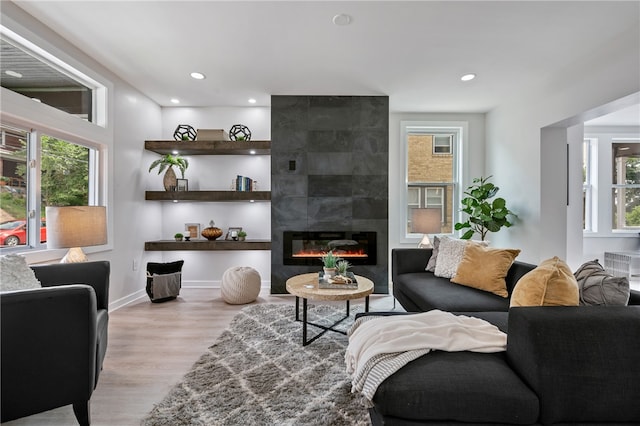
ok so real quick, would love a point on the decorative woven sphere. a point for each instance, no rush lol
(240, 285)
(239, 132)
(184, 132)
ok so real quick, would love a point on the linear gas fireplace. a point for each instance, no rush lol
(306, 248)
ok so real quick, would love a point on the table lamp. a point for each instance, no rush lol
(74, 227)
(426, 221)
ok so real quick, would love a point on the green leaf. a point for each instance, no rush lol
(467, 235)
(459, 226)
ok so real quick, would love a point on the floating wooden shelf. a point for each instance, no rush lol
(208, 195)
(170, 245)
(209, 147)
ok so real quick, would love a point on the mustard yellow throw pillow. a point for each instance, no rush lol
(550, 284)
(485, 268)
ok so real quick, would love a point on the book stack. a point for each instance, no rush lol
(244, 183)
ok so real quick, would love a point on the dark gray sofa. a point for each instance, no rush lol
(419, 291)
(54, 340)
(562, 366)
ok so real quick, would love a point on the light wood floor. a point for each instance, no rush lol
(151, 346)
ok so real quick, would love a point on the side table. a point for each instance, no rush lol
(305, 287)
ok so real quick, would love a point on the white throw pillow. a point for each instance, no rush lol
(450, 254)
(15, 274)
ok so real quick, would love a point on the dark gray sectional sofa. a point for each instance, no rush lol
(562, 366)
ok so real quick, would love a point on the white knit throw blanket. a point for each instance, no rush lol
(381, 345)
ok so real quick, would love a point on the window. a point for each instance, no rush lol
(38, 170)
(431, 160)
(32, 72)
(626, 184)
(442, 144)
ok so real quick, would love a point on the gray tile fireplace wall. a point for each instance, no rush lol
(329, 172)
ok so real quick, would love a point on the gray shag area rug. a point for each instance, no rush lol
(258, 373)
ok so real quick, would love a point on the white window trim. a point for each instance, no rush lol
(602, 172)
(460, 149)
(20, 111)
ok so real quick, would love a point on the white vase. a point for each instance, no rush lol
(330, 272)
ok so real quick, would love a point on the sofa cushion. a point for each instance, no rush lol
(550, 284)
(458, 387)
(423, 291)
(597, 287)
(581, 361)
(15, 274)
(485, 268)
(450, 254)
(431, 264)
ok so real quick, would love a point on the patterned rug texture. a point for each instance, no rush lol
(258, 373)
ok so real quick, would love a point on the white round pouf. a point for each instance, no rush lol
(240, 285)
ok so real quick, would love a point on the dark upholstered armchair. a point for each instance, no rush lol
(54, 340)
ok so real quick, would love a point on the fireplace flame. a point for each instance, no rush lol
(354, 253)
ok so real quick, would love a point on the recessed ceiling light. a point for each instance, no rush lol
(342, 19)
(175, 101)
(468, 77)
(252, 152)
(198, 75)
(174, 152)
(36, 100)
(15, 74)
(251, 101)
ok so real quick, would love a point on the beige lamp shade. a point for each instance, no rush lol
(426, 221)
(74, 227)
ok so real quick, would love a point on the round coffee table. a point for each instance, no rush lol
(305, 287)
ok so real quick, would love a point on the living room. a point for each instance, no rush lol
(518, 131)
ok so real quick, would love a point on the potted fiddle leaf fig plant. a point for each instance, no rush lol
(166, 162)
(484, 214)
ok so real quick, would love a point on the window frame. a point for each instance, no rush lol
(22, 112)
(460, 131)
(33, 182)
(590, 184)
(449, 145)
(98, 107)
(614, 186)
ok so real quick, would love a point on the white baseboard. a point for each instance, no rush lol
(215, 284)
(124, 301)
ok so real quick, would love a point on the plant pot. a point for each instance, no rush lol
(170, 180)
(178, 239)
(330, 272)
(241, 238)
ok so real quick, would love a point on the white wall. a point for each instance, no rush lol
(132, 118)
(205, 268)
(517, 159)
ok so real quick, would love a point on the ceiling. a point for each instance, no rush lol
(415, 52)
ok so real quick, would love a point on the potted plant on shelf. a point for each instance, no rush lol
(242, 235)
(166, 162)
(329, 260)
(178, 236)
(484, 215)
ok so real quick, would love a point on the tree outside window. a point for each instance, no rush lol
(63, 181)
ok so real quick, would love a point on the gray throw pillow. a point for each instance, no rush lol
(597, 287)
(431, 265)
